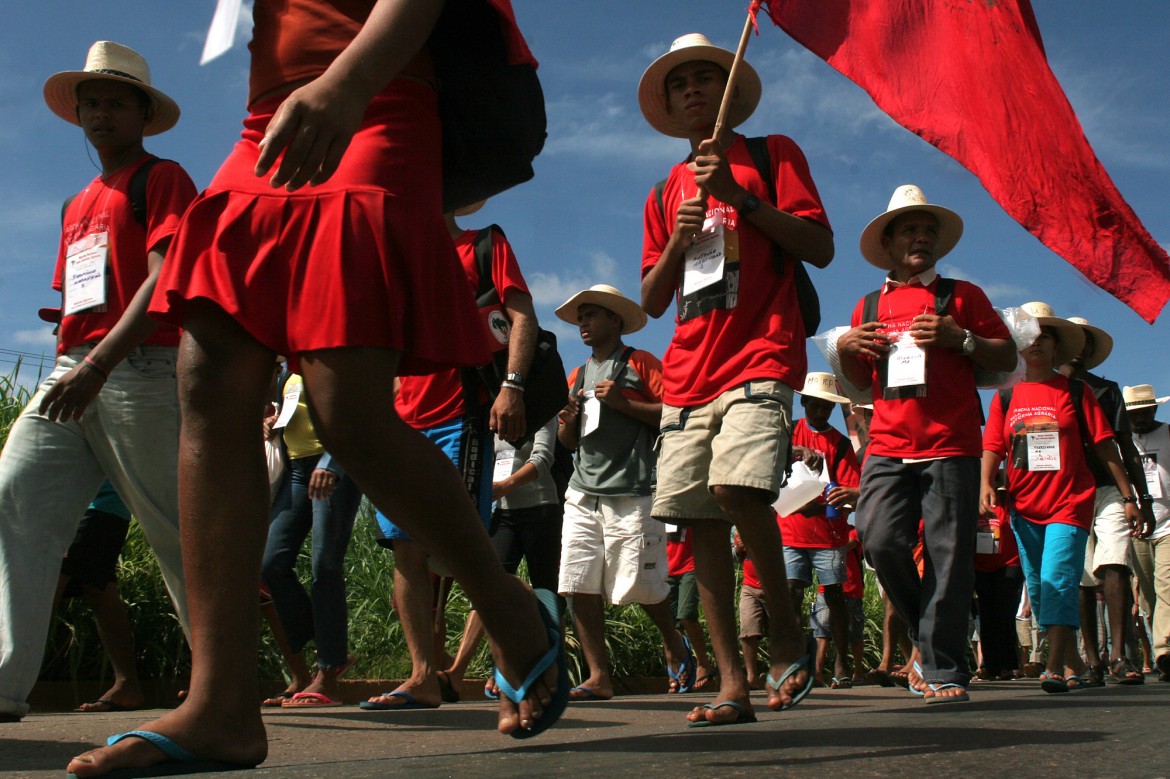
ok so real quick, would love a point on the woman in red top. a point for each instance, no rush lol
(1049, 486)
(356, 279)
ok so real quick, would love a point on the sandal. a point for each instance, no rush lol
(1122, 671)
(1053, 682)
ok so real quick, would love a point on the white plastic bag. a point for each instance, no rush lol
(802, 486)
(827, 343)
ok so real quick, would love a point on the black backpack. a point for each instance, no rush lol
(492, 112)
(806, 291)
(545, 390)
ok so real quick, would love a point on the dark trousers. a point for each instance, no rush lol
(998, 597)
(944, 495)
(532, 534)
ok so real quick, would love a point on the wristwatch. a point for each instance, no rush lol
(750, 203)
(968, 347)
(515, 378)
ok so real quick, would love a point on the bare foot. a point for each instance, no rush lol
(517, 652)
(210, 732)
(117, 698)
(423, 692)
(723, 713)
(786, 682)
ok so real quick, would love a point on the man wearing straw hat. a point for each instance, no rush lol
(1109, 555)
(815, 537)
(612, 551)
(1152, 555)
(916, 345)
(717, 239)
(110, 408)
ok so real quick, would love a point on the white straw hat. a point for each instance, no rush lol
(1102, 343)
(691, 48)
(113, 62)
(906, 198)
(610, 298)
(1141, 396)
(823, 386)
(1072, 337)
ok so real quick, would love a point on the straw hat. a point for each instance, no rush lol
(609, 298)
(1141, 396)
(1072, 337)
(1102, 343)
(906, 198)
(823, 386)
(691, 48)
(113, 62)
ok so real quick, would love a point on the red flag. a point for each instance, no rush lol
(972, 79)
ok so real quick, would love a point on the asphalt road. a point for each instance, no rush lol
(1007, 729)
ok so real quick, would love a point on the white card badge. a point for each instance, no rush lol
(291, 398)
(590, 413)
(704, 259)
(1153, 476)
(85, 273)
(907, 363)
(504, 462)
(1044, 451)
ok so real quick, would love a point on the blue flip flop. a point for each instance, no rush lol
(181, 760)
(408, 704)
(804, 662)
(910, 686)
(684, 677)
(549, 613)
(742, 715)
(586, 694)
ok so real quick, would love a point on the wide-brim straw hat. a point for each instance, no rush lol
(905, 199)
(823, 386)
(1141, 396)
(1102, 343)
(1072, 337)
(610, 298)
(114, 62)
(694, 47)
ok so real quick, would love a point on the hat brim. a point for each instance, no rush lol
(1072, 338)
(829, 396)
(633, 317)
(1146, 403)
(652, 88)
(61, 97)
(1103, 346)
(950, 230)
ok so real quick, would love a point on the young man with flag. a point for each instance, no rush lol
(716, 241)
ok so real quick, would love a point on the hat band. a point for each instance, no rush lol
(119, 73)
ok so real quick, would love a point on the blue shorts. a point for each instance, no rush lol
(818, 619)
(455, 438)
(1053, 559)
(828, 563)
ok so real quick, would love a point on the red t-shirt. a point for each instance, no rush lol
(813, 531)
(294, 40)
(945, 423)
(1064, 496)
(754, 331)
(104, 207)
(854, 570)
(1009, 550)
(426, 401)
(680, 555)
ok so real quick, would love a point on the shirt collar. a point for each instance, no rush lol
(924, 279)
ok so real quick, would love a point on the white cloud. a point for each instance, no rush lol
(40, 337)
(549, 290)
(995, 290)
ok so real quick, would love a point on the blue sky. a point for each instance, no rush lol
(579, 221)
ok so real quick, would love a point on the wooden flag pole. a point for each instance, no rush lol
(729, 91)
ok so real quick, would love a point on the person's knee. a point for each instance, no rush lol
(740, 502)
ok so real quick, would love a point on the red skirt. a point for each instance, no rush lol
(364, 259)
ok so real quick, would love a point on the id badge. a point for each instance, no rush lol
(705, 258)
(503, 468)
(1044, 451)
(85, 273)
(590, 413)
(907, 363)
(986, 543)
(1153, 475)
(289, 407)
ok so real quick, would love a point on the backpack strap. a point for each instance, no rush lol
(486, 293)
(659, 188)
(137, 189)
(758, 149)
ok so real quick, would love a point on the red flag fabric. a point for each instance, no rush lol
(972, 79)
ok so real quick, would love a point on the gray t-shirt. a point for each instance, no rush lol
(617, 459)
(538, 451)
